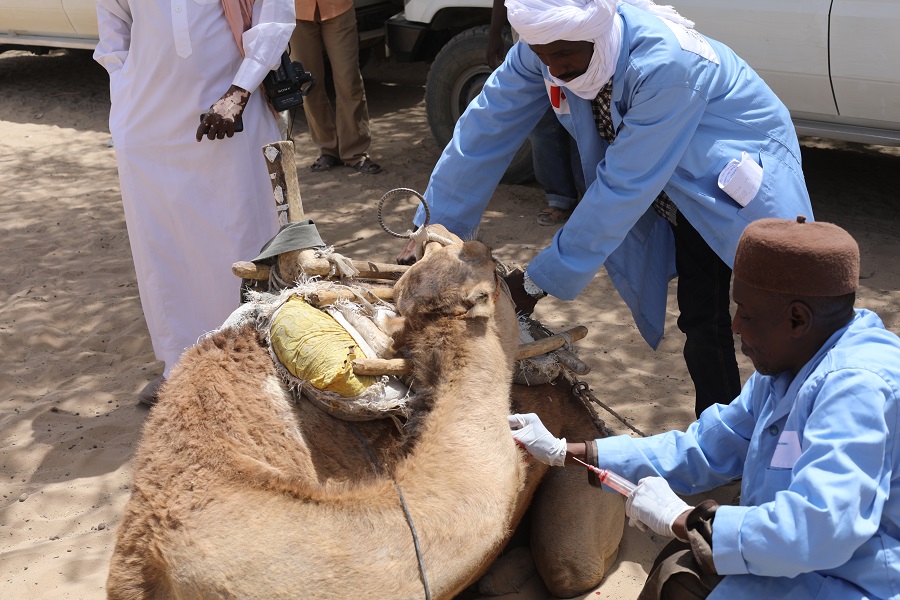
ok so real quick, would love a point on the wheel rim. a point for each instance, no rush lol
(466, 87)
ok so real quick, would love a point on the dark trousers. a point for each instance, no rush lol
(704, 304)
(675, 575)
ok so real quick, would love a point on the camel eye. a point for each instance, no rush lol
(479, 298)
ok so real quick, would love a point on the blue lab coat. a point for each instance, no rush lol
(681, 117)
(819, 513)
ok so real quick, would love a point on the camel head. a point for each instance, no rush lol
(453, 292)
(458, 281)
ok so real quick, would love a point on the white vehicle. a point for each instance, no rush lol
(834, 63)
(453, 34)
(41, 25)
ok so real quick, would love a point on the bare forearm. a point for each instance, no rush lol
(498, 16)
(576, 450)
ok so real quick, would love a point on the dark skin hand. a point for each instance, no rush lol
(221, 116)
(577, 450)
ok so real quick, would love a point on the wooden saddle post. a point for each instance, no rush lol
(279, 158)
(285, 185)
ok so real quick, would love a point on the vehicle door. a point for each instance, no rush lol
(35, 17)
(82, 15)
(785, 41)
(865, 60)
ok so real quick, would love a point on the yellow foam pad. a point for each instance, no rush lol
(314, 347)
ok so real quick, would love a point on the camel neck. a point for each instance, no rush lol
(470, 387)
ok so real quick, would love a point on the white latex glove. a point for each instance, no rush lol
(653, 505)
(528, 430)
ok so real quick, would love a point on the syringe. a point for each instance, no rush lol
(613, 480)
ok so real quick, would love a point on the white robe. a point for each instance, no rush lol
(192, 208)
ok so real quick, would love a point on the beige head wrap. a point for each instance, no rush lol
(239, 14)
(597, 21)
(799, 258)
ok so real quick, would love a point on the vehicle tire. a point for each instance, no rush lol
(455, 78)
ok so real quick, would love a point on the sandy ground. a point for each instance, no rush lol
(74, 348)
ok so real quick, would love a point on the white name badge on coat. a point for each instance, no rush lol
(557, 99)
(741, 180)
(692, 41)
(787, 451)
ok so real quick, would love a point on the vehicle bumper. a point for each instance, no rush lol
(848, 132)
(405, 39)
(12, 39)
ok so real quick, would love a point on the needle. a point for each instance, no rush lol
(616, 482)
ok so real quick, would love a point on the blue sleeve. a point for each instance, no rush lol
(655, 132)
(708, 454)
(485, 139)
(831, 501)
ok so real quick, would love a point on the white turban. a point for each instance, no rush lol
(596, 21)
(546, 21)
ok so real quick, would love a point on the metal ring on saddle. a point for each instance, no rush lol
(393, 192)
(580, 389)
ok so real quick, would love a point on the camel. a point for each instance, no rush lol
(241, 492)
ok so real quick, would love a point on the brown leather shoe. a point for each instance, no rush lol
(150, 394)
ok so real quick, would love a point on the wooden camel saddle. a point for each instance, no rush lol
(303, 295)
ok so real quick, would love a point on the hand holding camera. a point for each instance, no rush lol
(285, 86)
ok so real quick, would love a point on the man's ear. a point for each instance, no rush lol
(800, 316)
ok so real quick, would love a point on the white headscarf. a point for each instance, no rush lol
(546, 21)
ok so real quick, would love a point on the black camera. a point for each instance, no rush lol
(286, 85)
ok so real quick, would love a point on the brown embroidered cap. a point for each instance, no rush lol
(798, 257)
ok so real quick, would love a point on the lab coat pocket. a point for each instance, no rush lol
(741, 179)
(777, 479)
(764, 193)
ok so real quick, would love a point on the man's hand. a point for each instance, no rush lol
(531, 434)
(221, 116)
(524, 302)
(653, 505)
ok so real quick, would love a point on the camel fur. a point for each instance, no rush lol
(240, 492)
